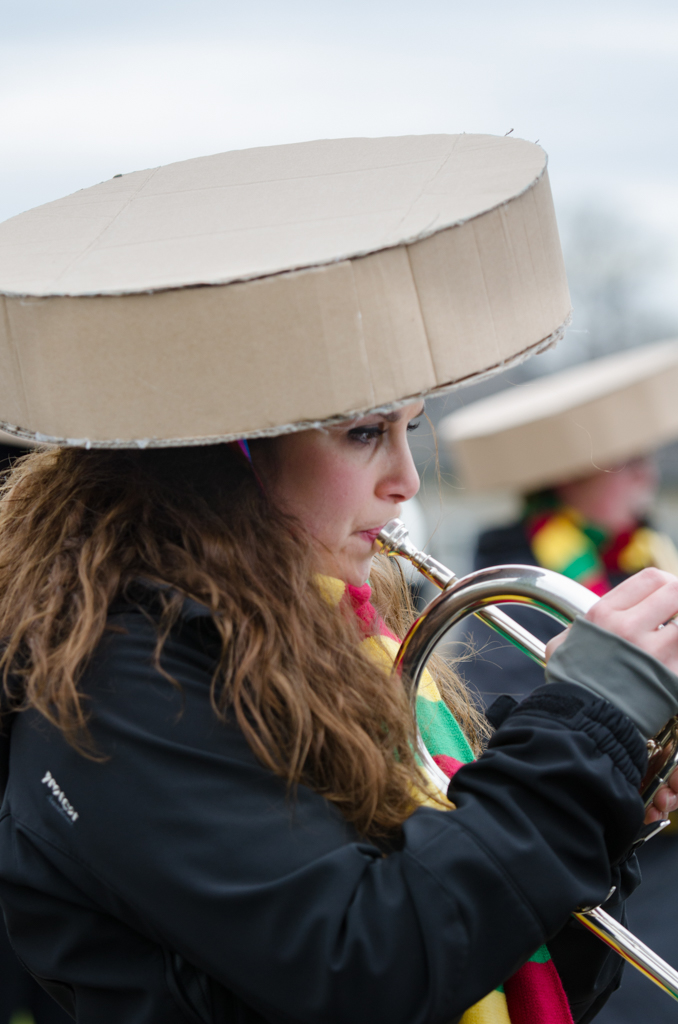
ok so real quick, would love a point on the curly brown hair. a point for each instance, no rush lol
(78, 528)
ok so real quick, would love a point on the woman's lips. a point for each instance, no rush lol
(370, 535)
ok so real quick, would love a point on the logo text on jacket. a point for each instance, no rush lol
(58, 797)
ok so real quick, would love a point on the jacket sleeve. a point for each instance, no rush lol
(640, 686)
(185, 837)
(589, 970)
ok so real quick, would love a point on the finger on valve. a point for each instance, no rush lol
(635, 589)
(649, 609)
(664, 803)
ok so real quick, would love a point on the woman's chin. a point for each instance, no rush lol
(356, 572)
(353, 567)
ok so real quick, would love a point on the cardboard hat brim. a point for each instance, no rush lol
(268, 290)
(569, 424)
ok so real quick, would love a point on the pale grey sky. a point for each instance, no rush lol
(89, 89)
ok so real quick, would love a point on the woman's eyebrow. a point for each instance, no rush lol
(393, 417)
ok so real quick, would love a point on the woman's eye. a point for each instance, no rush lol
(413, 425)
(363, 435)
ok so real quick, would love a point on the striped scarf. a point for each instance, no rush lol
(534, 994)
(561, 539)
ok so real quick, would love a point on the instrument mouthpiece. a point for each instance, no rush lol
(394, 536)
(394, 539)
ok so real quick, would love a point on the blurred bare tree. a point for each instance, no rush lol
(616, 270)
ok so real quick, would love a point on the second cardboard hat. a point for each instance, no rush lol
(266, 290)
(568, 424)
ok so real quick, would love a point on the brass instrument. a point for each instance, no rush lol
(563, 599)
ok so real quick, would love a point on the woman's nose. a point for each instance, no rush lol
(402, 481)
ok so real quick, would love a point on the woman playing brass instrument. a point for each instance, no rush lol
(213, 811)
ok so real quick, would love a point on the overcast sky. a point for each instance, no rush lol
(89, 89)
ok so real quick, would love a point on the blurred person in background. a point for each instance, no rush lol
(578, 447)
(22, 1000)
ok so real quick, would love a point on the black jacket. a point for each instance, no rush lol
(177, 881)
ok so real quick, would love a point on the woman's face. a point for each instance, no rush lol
(618, 497)
(343, 483)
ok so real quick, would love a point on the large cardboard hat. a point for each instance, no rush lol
(570, 423)
(266, 290)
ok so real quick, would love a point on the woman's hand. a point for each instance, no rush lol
(641, 610)
(665, 801)
(634, 610)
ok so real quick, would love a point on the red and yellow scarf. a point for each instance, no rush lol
(534, 994)
(563, 540)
